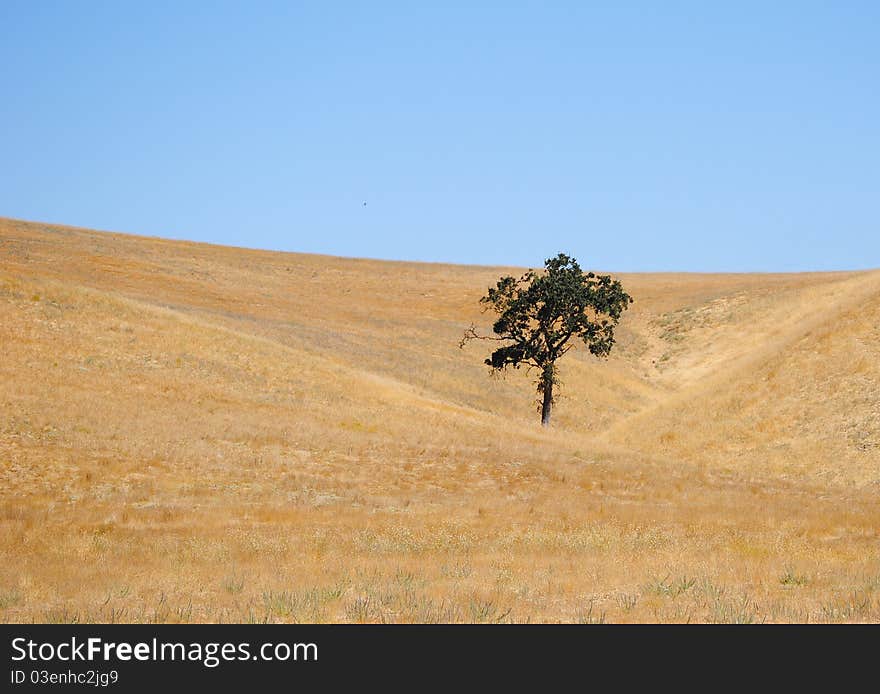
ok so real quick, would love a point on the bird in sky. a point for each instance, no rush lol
(365, 203)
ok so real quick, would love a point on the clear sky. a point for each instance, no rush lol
(650, 135)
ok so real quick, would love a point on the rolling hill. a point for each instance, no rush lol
(191, 432)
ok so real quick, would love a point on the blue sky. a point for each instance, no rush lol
(636, 136)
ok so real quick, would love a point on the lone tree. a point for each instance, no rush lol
(539, 313)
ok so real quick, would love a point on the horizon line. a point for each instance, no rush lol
(258, 249)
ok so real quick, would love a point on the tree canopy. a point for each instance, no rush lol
(542, 315)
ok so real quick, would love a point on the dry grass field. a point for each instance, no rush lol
(200, 433)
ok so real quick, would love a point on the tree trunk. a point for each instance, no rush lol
(547, 388)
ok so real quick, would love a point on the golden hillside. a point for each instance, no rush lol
(192, 432)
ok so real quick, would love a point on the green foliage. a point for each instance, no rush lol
(542, 315)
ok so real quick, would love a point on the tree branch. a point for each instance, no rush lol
(472, 334)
